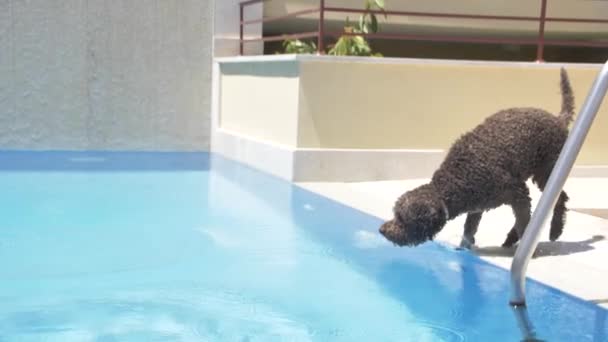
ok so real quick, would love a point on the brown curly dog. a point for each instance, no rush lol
(484, 169)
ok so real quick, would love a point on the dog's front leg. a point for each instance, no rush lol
(470, 228)
(520, 202)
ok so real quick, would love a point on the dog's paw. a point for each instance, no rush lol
(467, 243)
(510, 241)
(553, 236)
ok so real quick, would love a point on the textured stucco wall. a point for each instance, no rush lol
(105, 74)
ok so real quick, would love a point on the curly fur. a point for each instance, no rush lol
(484, 169)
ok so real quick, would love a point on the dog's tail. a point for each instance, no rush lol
(567, 112)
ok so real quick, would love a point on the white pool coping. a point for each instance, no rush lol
(571, 265)
(395, 60)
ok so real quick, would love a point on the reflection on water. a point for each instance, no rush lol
(524, 323)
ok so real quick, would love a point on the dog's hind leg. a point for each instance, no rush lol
(512, 238)
(470, 228)
(559, 211)
(519, 200)
(559, 217)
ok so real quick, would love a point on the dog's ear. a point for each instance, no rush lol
(424, 209)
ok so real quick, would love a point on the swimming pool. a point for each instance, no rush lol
(192, 247)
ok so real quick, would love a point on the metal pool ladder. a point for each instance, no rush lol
(556, 182)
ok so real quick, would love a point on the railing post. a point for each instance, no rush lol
(241, 35)
(540, 47)
(554, 186)
(320, 39)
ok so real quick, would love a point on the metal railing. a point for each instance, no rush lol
(556, 182)
(321, 33)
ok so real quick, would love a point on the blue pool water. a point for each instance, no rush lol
(188, 247)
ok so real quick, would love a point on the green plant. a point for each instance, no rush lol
(298, 46)
(368, 22)
(352, 43)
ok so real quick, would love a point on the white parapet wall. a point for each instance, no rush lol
(321, 118)
(105, 75)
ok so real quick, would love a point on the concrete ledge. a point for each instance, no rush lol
(585, 171)
(341, 165)
(597, 212)
(321, 165)
(269, 158)
(353, 165)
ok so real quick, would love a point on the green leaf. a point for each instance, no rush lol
(299, 47)
(374, 24)
(379, 3)
(340, 48)
(362, 27)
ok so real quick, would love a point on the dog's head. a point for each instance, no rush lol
(419, 215)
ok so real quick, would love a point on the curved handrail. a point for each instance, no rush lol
(554, 186)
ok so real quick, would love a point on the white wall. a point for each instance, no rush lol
(227, 26)
(105, 74)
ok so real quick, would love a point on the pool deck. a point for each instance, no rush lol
(576, 263)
